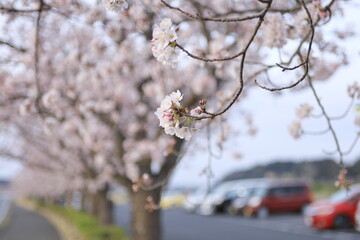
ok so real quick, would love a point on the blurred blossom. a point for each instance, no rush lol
(274, 31)
(354, 90)
(304, 111)
(295, 129)
(116, 5)
(163, 43)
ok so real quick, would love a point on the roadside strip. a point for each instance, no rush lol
(5, 204)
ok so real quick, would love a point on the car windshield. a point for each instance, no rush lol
(199, 192)
(250, 192)
(342, 195)
(259, 192)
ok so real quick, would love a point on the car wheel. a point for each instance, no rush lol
(342, 221)
(208, 211)
(231, 210)
(262, 213)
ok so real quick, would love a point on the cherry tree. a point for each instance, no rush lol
(53, 169)
(112, 71)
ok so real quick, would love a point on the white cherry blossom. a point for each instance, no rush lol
(173, 117)
(163, 46)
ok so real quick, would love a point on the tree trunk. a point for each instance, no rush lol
(101, 206)
(145, 223)
(68, 199)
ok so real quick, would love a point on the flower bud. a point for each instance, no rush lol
(202, 102)
(198, 111)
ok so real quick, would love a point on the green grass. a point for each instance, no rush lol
(323, 190)
(87, 224)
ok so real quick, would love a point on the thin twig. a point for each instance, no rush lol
(347, 109)
(328, 120)
(20, 49)
(317, 132)
(304, 63)
(212, 19)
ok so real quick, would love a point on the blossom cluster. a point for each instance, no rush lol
(354, 90)
(342, 181)
(116, 5)
(163, 43)
(295, 129)
(321, 12)
(303, 111)
(51, 98)
(174, 119)
(275, 32)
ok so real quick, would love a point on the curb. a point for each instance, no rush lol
(5, 207)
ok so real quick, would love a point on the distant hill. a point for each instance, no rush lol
(320, 170)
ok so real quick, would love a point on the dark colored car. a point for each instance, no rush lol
(336, 212)
(238, 205)
(278, 196)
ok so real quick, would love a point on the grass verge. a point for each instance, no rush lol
(323, 190)
(85, 226)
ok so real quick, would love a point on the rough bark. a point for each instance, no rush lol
(145, 224)
(101, 206)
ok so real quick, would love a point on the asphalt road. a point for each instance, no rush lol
(180, 225)
(26, 225)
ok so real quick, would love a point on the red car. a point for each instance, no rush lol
(336, 212)
(278, 196)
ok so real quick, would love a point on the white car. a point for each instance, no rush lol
(357, 217)
(221, 197)
(194, 200)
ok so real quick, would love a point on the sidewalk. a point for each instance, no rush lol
(4, 208)
(27, 225)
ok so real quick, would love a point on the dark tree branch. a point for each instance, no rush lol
(11, 45)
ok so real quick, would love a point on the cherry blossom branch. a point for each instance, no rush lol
(36, 57)
(20, 49)
(347, 110)
(329, 124)
(223, 20)
(317, 132)
(7, 154)
(289, 68)
(241, 77)
(209, 59)
(14, 10)
(242, 52)
(304, 63)
(353, 144)
(311, 33)
(256, 10)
